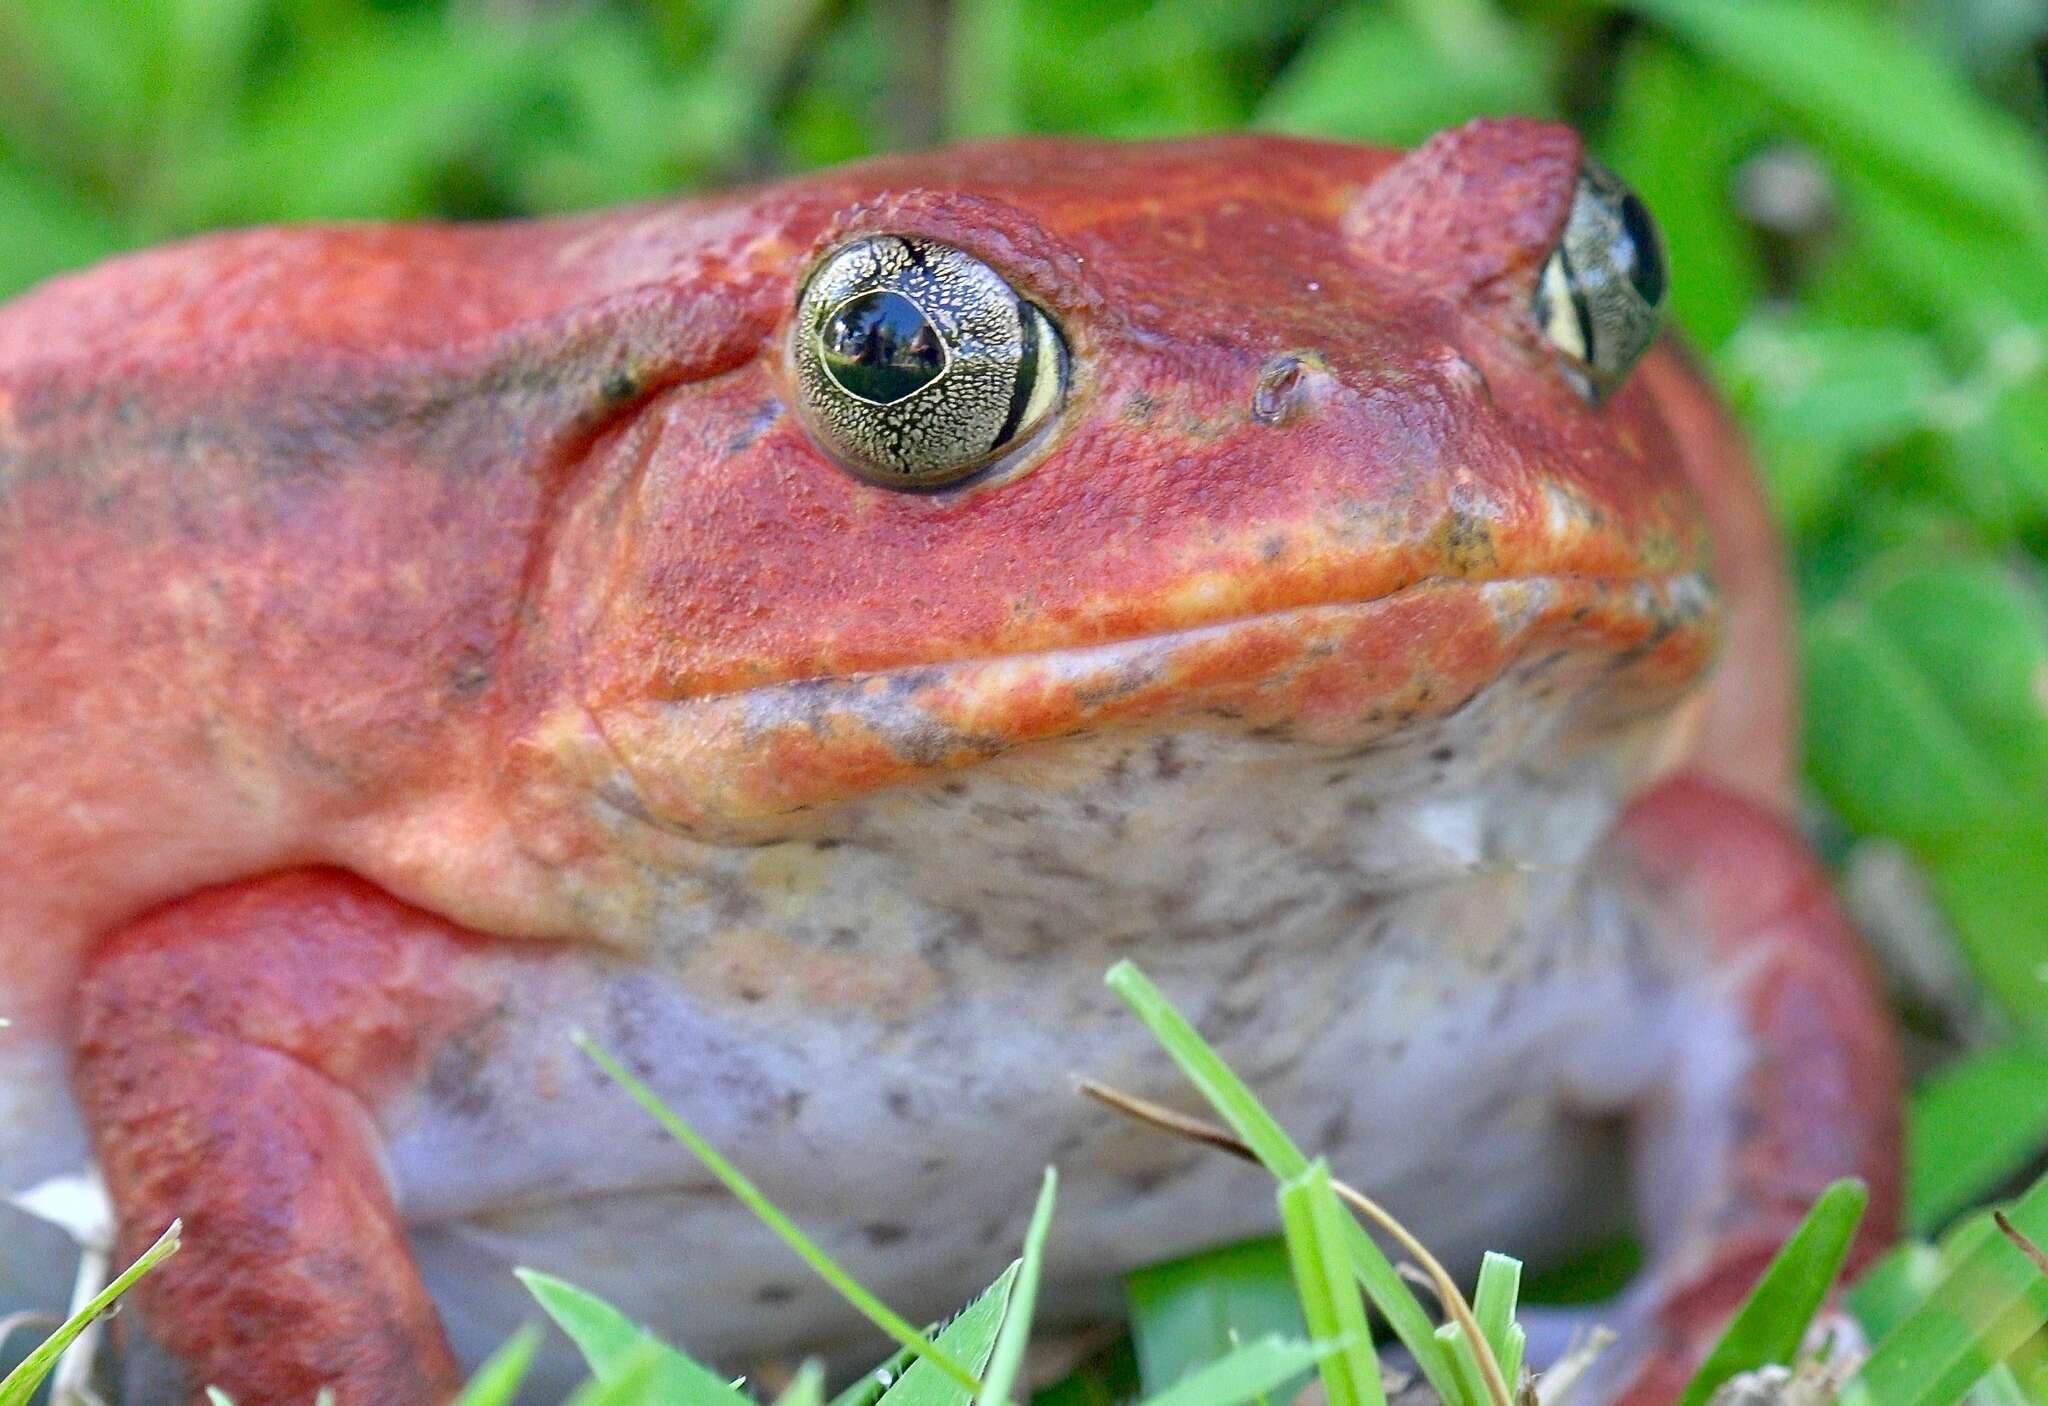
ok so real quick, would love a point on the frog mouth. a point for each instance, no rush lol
(1334, 676)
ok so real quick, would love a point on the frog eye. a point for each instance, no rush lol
(1601, 296)
(917, 364)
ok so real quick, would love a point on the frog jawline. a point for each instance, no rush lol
(1674, 598)
(775, 760)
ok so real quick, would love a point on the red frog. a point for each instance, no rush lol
(803, 637)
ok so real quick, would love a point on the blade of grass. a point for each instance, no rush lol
(867, 1388)
(1008, 1355)
(1314, 1226)
(2005, 1332)
(1242, 1374)
(1431, 1271)
(807, 1388)
(1271, 1145)
(497, 1381)
(1774, 1317)
(970, 1338)
(610, 1341)
(1458, 1347)
(822, 1264)
(632, 1384)
(1987, 1305)
(1493, 1305)
(21, 1383)
(1512, 1354)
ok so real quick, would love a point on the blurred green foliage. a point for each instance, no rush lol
(1853, 191)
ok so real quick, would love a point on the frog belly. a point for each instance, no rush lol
(912, 1155)
(1401, 947)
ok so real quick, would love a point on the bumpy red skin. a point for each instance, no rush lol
(228, 1047)
(422, 484)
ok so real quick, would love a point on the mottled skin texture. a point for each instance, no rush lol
(419, 640)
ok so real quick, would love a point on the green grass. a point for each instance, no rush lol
(19, 1386)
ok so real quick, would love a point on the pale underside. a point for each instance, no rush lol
(1412, 950)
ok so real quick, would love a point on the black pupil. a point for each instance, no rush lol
(881, 347)
(1643, 259)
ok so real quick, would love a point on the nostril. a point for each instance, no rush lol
(1284, 385)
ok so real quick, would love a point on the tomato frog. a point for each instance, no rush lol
(802, 637)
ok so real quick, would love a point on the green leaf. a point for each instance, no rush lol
(367, 131)
(1988, 1304)
(1006, 1359)
(1276, 1151)
(969, 1339)
(1680, 130)
(20, 1384)
(1885, 748)
(1971, 1126)
(1128, 68)
(1927, 722)
(496, 1383)
(1330, 1301)
(1954, 261)
(1850, 389)
(1864, 90)
(1992, 676)
(1597, 1273)
(1774, 1317)
(1993, 886)
(102, 58)
(611, 1343)
(828, 1269)
(1187, 1312)
(982, 98)
(1258, 1368)
(1417, 87)
(46, 230)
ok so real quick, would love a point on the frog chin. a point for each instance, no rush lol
(784, 819)
(1332, 686)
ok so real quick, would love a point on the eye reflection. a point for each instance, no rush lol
(881, 347)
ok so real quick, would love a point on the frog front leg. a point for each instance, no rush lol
(229, 1049)
(1788, 1079)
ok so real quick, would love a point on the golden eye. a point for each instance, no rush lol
(917, 364)
(1600, 299)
